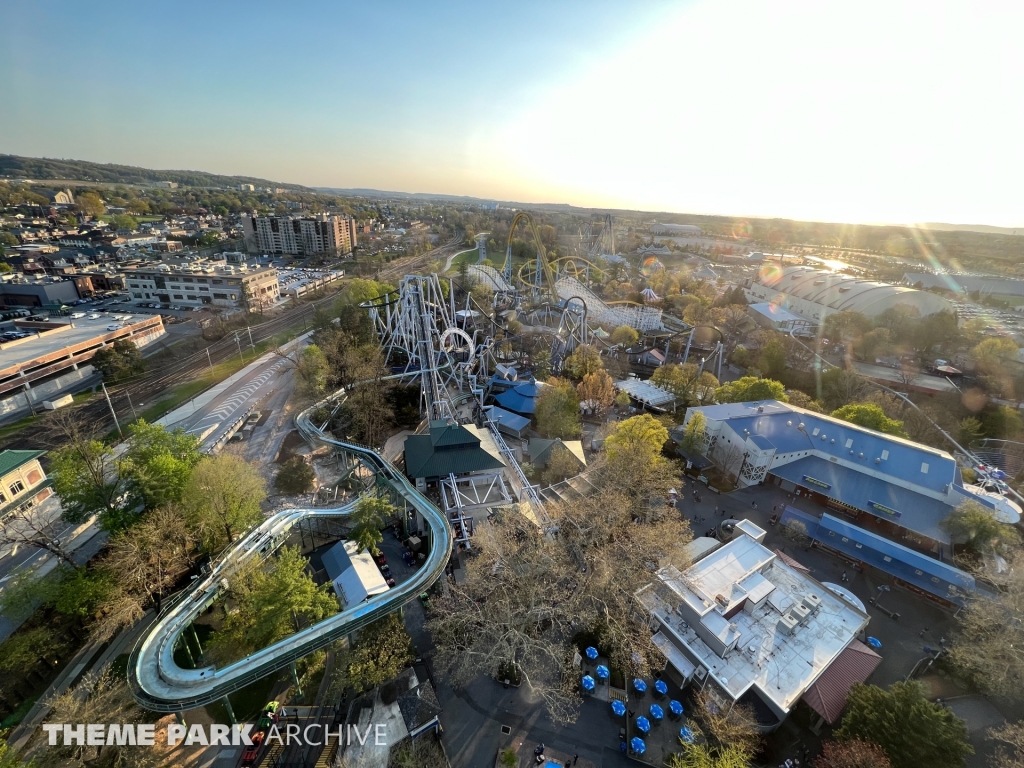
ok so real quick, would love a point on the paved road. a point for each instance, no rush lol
(211, 415)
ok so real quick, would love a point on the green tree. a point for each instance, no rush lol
(558, 410)
(561, 464)
(990, 354)
(585, 359)
(88, 480)
(359, 290)
(542, 365)
(295, 477)
(122, 221)
(382, 651)
(845, 326)
(693, 435)
(271, 602)
(875, 344)
(313, 370)
(639, 436)
(680, 379)
(4, 266)
(369, 516)
(976, 527)
(158, 462)
(772, 359)
(6, 238)
(1002, 422)
(911, 730)
(870, 416)
(222, 498)
(750, 389)
(625, 336)
(622, 399)
(969, 431)
(119, 361)
(90, 204)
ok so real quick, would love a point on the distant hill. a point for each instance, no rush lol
(984, 229)
(44, 168)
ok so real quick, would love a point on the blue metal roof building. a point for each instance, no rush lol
(912, 486)
(914, 568)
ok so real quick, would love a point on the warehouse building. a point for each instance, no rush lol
(814, 294)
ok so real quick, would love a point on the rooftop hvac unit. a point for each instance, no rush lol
(788, 623)
(800, 612)
(812, 602)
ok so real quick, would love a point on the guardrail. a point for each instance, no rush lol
(160, 685)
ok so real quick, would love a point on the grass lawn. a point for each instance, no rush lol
(466, 257)
(16, 426)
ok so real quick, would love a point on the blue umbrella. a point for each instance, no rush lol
(638, 745)
(588, 683)
(661, 687)
(874, 642)
(686, 735)
(591, 652)
(657, 712)
(639, 685)
(602, 671)
(618, 707)
(643, 724)
(675, 707)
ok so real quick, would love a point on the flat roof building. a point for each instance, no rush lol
(56, 358)
(353, 574)
(23, 483)
(197, 285)
(749, 628)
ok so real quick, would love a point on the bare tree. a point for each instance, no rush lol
(29, 529)
(989, 643)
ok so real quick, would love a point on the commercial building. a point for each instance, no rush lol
(814, 294)
(294, 235)
(56, 358)
(751, 627)
(44, 291)
(23, 483)
(197, 285)
(777, 318)
(447, 449)
(901, 489)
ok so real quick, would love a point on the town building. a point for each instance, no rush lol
(897, 487)
(814, 294)
(962, 284)
(674, 229)
(295, 235)
(23, 483)
(56, 358)
(199, 284)
(38, 291)
(750, 626)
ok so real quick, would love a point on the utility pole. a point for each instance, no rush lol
(112, 413)
(239, 348)
(134, 414)
(208, 359)
(247, 328)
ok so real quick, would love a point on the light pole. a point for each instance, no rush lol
(882, 589)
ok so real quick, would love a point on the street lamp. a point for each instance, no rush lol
(878, 605)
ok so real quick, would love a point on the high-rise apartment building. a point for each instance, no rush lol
(306, 235)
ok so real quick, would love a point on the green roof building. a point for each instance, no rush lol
(447, 449)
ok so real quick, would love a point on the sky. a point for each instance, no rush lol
(877, 112)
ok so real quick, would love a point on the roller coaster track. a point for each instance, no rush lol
(160, 685)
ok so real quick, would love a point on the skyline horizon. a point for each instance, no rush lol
(873, 112)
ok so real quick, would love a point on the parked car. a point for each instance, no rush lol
(113, 327)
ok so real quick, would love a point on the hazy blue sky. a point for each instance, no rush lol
(858, 111)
